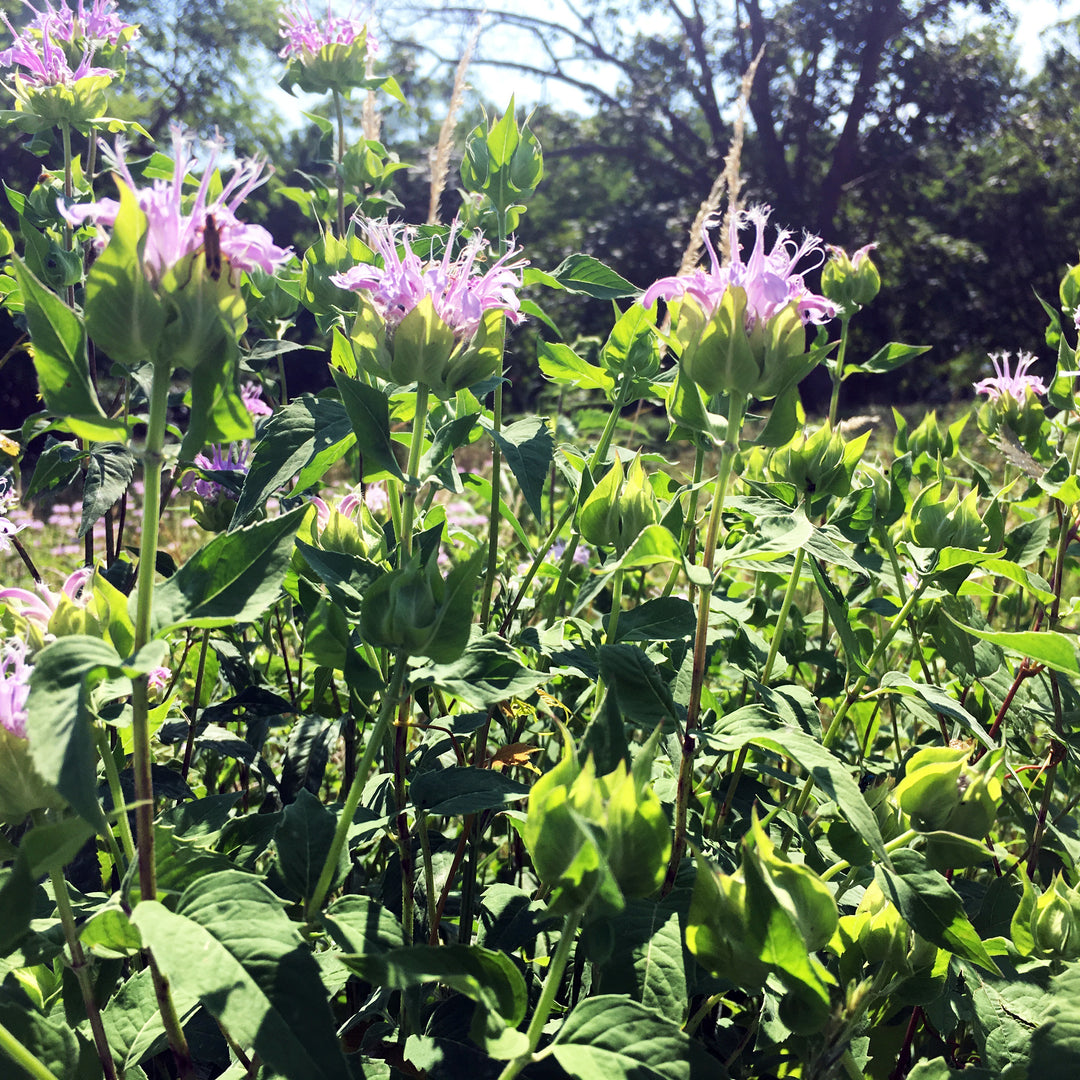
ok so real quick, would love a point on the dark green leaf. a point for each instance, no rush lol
(369, 412)
(232, 580)
(528, 448)
(643, 696)
(460, 790)
(109, 469)
(489, 671)
(253, 972)
(303, 841)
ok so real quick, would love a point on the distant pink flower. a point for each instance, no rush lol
(14, 687)
(1015, 384)
(39, 606)
(8, 528)
(231, 458)
(460, 295)
(305, 35)
(771, 279)
(176, 229)
(158, 678)
(253, 400)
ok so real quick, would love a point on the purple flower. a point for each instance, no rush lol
(158, 679)
(177, 228)
(231, 458)
(39, 50)
(253, 401)
(14, 687)
(305, 36)
(1014, 384)
(460, 295)
(39, 606)
(770, 279)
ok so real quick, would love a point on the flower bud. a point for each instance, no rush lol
(820, 465)
(1054, 925)
(619, 507)
(851, 283)
(940, 792)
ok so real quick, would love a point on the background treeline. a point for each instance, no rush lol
(907, 123)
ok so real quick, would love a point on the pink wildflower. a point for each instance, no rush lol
(39, 606)
(14, 687)
(8, 528)
(176, 229)
(1014, 384)
(459, 295)
(158, 679)
(770, 279)
(305, 36)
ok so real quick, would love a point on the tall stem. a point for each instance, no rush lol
(339, 158)
(547, 995)
(408, 509)
(356, 789)
(837, 370)
(781, 619)
(144, 791)
(493, 513)
(701, 637)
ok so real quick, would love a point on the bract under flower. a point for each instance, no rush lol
(1016, 383)
(176, 227)
(770, 279)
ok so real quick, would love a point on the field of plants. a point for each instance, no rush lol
(378, 733)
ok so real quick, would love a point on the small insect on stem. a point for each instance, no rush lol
(212, 247)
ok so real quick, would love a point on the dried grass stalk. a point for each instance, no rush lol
(439, 157)
(371, 116)
(729, 180)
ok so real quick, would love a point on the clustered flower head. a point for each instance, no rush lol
(459, 294)
(14, 687)
(235, 457)
(38, 607)
(1016, 383)
(771, 279)
(178, 227)
(41, 51)
(305, 35)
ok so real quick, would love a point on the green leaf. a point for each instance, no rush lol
(486, 976)
(60, 724)
(1043, 646)
(610, 1037)
(755, 725)
(232, 580)
(231, 945)
(938, 700)
(109, 469)
(303, 841)
(1055, 1046)
(133, 1022)
(63, 370)
(563, 366)
(369, 412)
(490, 670)
(50, 1039)
(668, 618)
(303, 440)
(361, 925)
(931, 907)
(528, 449)
(643, 696)
(887, 358)
(586, 276)
(837, 608)
(460, 790)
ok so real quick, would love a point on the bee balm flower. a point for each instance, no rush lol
(1016, 383)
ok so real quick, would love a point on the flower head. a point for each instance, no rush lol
(459, 295)
(770, 278)
(305, 36)
(177, 228)
(44, 51)
(1014, 384)
(14, 687)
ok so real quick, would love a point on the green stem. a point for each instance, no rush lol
(781, 619)
(144, 589)
(616, 606)
(537, 562)
(836, 371)
(493, 513)
(688, 523)
(112, 778)
(356, 789)
(82, 972)
(894, 844)
(23, 1058)
(697, 673)
(408, 509)
(339, 159)
(547, 995)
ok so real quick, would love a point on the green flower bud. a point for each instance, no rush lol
(619, 507)
(21, 787)
(851, 283)
(1054, 925)
(930, 790)
(820, 465)
(341, 533)
(937, 522)
(505, 162)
